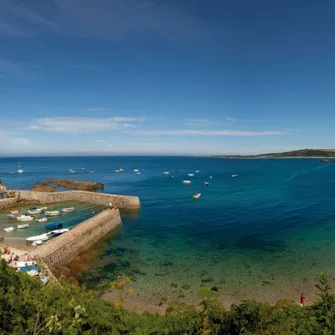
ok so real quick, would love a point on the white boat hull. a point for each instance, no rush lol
(186, 182)
(43, 220)
(23, 226)
(68, 210)
(24, 218)
(52, 213)
(9, 229)
(42, 237)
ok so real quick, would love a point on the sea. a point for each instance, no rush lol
(265, 234)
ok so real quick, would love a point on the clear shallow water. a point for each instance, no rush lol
(263, 235)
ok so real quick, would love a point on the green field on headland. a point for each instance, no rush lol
(28, 307)
(302, 153)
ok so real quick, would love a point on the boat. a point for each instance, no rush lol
(52, 213)
(135, 170)
(9, 229)
(196, 195)
(138, 172)
(19, 169)
(68, 209)
(42, 237)
(72, 171)
(25, 218)
(166, 172)
(197, 171)
(206, 183)
(117, 171)
(53, 226)
(186, 182)
(37, 243)
(234, 175)
(42, 209)
(58, 232)
(11, 172)
(45, 219)
(14, 211)
(91, 172)
(210, 177)
(35, 211)
(191, 174)
(83, 169)
(44, 280)
(31, 208)
(121, 170)
(22, 226)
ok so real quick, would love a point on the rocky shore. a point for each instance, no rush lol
(43, 187)
(50, 185)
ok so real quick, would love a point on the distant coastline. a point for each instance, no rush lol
(303, 153)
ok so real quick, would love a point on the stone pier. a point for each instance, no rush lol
(62, 249)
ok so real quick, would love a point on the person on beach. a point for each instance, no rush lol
(110, 205)
(302, 300)
(25, 258)
(10, 260)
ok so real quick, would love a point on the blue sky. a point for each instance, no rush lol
(166, 77)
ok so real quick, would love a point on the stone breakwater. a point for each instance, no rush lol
(61, 250)
(103, 199)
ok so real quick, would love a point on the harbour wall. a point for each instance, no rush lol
(8, 203)
(119, 201)
(62, 249)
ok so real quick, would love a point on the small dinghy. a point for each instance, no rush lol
(117, 171)
(58, 232)
(191, 174)
(197, 171)
(68, 209)
(43, 219)
(234, 175)
(135, 170)
(206, 183)
(14, 211)
(186, 182)
(196, 195)
(24, 218)
(53, 226)
(91, 172)
(42, 237)
(166, 173)
(138, 172)
(9, 229)
(52, 213)
(210, 177)
(35, 211)
(23, 226)
(37, 243)
(121, 170)
(44, 280)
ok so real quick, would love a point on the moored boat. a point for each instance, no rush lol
(35, 211)
(121, 170)
(210, 177)
(68, 209)
(14, 211)
(91, 172)
(9, 229)
(53, 226)
(206, 183)
(138, 172)
(57, 232)
(166, 172)
(186, 182)
(135, 170)
(42, 237)
(45, 219)
(197, 171)
(191, 174)
(22, 226)
(234, 175)
(196, 195)
(52, 213)
(19, 169)
(37, 243)
(24, 218)
(117, 171)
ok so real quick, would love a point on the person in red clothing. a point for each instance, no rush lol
(302, 300)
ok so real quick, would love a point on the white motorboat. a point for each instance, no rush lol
(9, 229)
(234, 175)
(166, 172)
(91, 172)
(197, 171)
(206, 183)
(43, 219)
(72, 171)
(210, 177)
(191, 174)
(117, 171)
(24, 218)
(42, 237)
(186, 182)
(121, 170)
(52, 213)
(196, 195)
(57, 232)
(19, 169)
(35, 211)
(22, 226)
(68, 209)
(42, 209)
(135, 170)
(37, 243)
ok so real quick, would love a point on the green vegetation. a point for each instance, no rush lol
(321, 153)
(27, 307)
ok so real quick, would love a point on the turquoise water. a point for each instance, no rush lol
(265, 234)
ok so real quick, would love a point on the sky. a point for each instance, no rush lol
(159, 77)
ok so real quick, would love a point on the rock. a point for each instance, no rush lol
(44, 187)
(76, 185)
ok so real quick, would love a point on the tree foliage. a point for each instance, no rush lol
(28, 307)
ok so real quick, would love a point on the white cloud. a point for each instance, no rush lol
(11, 144)
(231, 119)
(206, 133)
(76, 125)
(200, 122)
(96, 109)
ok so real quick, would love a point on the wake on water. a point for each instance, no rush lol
(307, 170)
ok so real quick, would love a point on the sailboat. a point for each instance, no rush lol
(19, 169)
